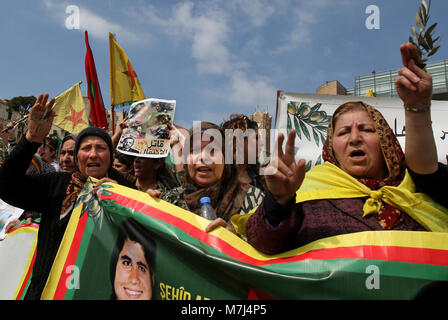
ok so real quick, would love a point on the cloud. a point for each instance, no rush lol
(251, 93)
(206, 27)
(304, 20)
(258, 11)
(207, 31)
(97, 26)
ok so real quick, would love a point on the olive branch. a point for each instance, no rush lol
(306, 118)
(424, 42)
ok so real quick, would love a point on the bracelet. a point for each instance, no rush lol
(417, 109)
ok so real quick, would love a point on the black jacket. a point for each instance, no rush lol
(43, 194)
(434, 185)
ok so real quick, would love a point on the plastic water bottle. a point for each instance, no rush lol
(207, 210)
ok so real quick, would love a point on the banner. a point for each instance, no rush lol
(310, 114)
(124, 83)
(147, 134)
(70, 110)
(97, 110)
(17, 254)
(121, 243)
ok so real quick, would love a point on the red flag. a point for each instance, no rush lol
(97, 110)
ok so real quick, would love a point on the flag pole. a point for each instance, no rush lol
(113, 119)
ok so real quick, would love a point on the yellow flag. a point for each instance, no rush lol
(124, 83)
(370, 93)
(70, 110)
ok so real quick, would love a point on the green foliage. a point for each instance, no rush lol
(308, 122)
(21, 104)
(424, 39)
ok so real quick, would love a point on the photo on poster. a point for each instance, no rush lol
(147, 134)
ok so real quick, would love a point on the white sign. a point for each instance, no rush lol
(310, 115)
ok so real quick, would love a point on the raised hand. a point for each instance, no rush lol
(286, 175)
(38, 125)
(414, 85)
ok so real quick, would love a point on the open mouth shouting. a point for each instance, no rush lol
(358, 155)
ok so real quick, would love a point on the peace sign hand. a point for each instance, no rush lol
(283, 175)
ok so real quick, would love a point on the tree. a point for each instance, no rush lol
(21, 105)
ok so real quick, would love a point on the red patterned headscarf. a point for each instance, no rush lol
(393, 156)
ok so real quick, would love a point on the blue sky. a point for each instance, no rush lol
(214, 57)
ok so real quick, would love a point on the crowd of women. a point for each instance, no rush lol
(369, 183)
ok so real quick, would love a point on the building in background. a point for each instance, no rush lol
(332, 87)
(264, 121)
(383, 83)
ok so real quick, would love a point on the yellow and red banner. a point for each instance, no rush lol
(183, 262)
(17, 255)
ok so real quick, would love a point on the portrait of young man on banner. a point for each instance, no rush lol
(132, 264)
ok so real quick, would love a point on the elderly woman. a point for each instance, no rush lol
(362, 186)
(53, 194)
(66, 151)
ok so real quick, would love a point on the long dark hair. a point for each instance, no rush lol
(134, 231)
(230, 172)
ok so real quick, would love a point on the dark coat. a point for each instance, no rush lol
(434, 185)
(273, 229)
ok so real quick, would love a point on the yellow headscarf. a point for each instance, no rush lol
(328, 181)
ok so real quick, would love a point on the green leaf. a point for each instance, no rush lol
(319, 160)
(425, 6)
(423, 16)
(428, 39)
(288, 124)
(418, 21)
(316, 137)
(297, 126)
(414, 33)
(422, 42)
(326, 120)
(434, 50)
(322, 128)
(323, 138)
(316, 107)
(431, 28)
(309, 165)
(305, 130)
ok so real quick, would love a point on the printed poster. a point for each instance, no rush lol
(310, 115)
(148, 129)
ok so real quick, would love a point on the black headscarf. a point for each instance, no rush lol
(94, 131)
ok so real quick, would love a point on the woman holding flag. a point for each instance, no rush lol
(53, 194)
